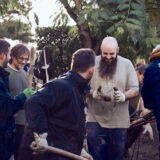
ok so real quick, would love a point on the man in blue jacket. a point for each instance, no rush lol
(8, 106)
(151, 85)
(57, 109)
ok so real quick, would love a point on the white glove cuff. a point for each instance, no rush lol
(123, 97)
(44, 135)
(94, 94)
(83, 151)
(42, 140)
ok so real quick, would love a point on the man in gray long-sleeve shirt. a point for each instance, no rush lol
(108, 117)
(18, 81)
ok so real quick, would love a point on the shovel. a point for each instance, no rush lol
(56, 151)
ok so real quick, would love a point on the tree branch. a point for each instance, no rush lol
(69, 9)
(78, 4)
(136, 52)
(129, 8)
(13, 12)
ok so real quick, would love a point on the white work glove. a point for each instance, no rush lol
(148, 128)
(40, 144)
(119, 96)
(86, 155)
(96, 95)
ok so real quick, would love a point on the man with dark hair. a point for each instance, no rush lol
(18, 81)
(8, 106)
(134, 102)
(57, 109)
(108, 118)
(140, 71)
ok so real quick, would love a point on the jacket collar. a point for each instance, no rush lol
(154, 56)
(79, 81)
(3, 73)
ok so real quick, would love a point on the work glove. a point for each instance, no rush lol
(97, 94)
(40, 144)
(28, 92)
(86, 155)
(148, 128)
(119, 96)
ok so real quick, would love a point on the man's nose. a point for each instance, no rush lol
(108, 56)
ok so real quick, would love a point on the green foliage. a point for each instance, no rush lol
(120, 18)
(135, 30)
(15, 29)
(153, 12)
(81, 18)
(63, 41)
(36, 19)
(11, 28)
(61, 19)
(9, 7)
(134, 23)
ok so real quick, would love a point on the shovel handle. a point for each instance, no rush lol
(65, 153)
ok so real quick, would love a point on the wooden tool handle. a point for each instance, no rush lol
(65, 153)
(31, 67)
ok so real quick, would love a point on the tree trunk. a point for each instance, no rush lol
(84, 30)
(84, 33)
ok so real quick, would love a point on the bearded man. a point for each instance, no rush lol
(108, 118)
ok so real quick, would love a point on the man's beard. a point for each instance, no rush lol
(107, 70)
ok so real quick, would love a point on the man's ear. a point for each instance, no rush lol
(91, 70)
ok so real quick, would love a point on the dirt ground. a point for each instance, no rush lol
(145, 148)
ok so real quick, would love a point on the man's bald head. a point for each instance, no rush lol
(109, 43)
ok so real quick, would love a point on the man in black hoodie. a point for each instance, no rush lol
(57, 109)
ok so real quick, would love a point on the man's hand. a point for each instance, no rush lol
(28, 92)
(119, 96)
(97, 94)
(148, 128)
(40, 144)
(86, 155)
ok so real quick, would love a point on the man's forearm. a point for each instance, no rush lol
(130, 94)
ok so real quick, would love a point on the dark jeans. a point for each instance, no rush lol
(106, 143)
(18, 139)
